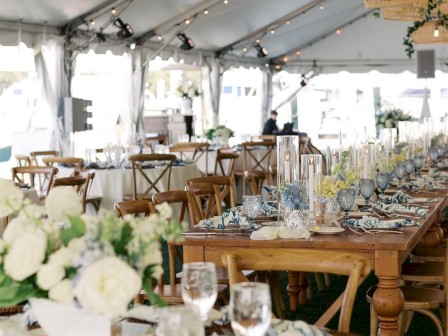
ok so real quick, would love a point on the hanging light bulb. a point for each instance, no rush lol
(285, 59)
(298, 53)
(206, 11)
(114, 11)
(436, 32)
(226, 2)
(244, 50)
(321, 7)
(272, 31)
(92, 22)
(159, 37)
(338, 31)
(187, 21)
(288, 22)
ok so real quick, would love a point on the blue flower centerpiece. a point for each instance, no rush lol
(293, 195)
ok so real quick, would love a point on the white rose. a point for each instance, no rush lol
(2, 246)
(32, 211)
(164, 210)
(62, 257)
(11, 198)
(49, 275)
(62, 202)
(107, 286)
(14, 229)
(76, 245)
(62, 292)
(25, 255)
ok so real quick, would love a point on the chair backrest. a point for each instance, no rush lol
(69, 162)
(225, 184)
(256, 179)
(134, 207)
(138, 162)
(252, 161)
(37, 156)
(225, 163)
(161, 140)
(23, 160)
(303, 260)
(175, 197)
(204, 201)
(46, 176)
(89, 175)
(78, 182)
(192, 151)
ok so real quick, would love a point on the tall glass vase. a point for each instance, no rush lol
(287, 170)
(311, 176)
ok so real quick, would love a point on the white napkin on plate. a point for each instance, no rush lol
(274, 232)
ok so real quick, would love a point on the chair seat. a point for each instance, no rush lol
(434, 254)
(416, 297)
(223, 275)
(424, 272)
(130, 197)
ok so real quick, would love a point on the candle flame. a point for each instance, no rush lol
(311, 160)
(367, 151)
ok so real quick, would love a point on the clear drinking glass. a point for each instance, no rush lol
(199, 286)
(419, 161)
(382, 179)
(366, 187)
(179, 321)
(409, 167)
(399, 171)
(251, 207)
(346, 199)
(250, 308)
(433, 154)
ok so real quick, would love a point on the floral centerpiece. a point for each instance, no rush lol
(293, 195)
(187, 90)
(399, 154)
(96, 263)
(219, 131)
(390, 117)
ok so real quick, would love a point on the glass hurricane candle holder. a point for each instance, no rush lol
(311, 175)
(409, 167)
(419, 161)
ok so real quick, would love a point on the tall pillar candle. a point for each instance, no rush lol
(311, 183)
(366, 164)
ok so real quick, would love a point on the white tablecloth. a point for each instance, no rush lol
(112, 184)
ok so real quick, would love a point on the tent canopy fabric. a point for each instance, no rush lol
(229, 31)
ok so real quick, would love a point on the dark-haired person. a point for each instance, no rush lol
(270, 126)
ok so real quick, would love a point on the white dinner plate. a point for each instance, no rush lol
(326, 230)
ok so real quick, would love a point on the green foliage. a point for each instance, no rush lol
(77, 229)
(13, 292)
(390, 117)
(147, 285)
(125, 237)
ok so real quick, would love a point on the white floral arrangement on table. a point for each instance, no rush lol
(219, 131)
(187, 90)
(97, 263)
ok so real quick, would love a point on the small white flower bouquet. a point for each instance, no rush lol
(96, 263)
(188, 90)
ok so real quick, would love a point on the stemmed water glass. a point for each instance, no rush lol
(433, 154)
(251, 207)
(366, 187)
(419, 161)
(199, 286)
(409, 167)
(382, 179)
(250, 308)
(399, 171)
(346, 199)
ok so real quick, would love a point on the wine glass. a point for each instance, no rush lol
(399, 171)
(179, 320)
(251, 207)
(366, 187)
(419, 161)
(433, 154)
(250, 308)
(382, 179)
(199, 286)
(346, 199)
(409, 167)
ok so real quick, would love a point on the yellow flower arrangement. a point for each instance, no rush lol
(418, 150)
(330, 186)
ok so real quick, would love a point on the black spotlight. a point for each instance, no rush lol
(125, 29)
(261, 52)
(304, 81)
(187, 43)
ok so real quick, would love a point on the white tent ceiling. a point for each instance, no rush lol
(364, 44)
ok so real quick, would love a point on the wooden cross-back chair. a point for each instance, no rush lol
(303, 260)
(65, 161)
(255, 179)
(37, 156)
(205, 201)
(134, 207)
(138, 162)
(23, 160)
(253, 162)
(192, 151)
(80, 184)
(46, 176)
(225, 185)
(225, 163)
(94, 200)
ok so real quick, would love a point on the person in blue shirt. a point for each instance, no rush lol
(270, 127)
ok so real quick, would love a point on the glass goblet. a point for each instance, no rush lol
(366, 187)
(346, 199)
(250, 308)
(399, 171)
(382, 179)
(433, 154)
(251, 207)
(199, 286)
(419, 161)
(409, 167)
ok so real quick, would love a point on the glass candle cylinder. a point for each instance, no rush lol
(311, 175)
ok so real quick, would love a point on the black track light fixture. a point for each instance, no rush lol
(125, 28)
(187, 43)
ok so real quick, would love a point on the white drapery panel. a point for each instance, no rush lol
(215, 81)
(50, 69)
(266, 96)
(139, 70)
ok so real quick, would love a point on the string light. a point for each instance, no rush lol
(244, 50)
(132, 46)
(285, 59)
(338, 31)
(257, 41)
(288, 22)
(92, 22)
(436, 32)
(159, 37)
(205, 11)
(187, 21)
(298, 53)
(226, 2)
(114, 11)
(272, 31)
(321, 7)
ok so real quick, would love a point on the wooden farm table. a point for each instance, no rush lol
(387, 252)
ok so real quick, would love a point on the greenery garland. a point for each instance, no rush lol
(440, 19)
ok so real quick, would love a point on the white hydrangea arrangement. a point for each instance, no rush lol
(219, 131)
(97, 263)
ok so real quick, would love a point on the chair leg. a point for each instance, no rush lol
(319, 284)
(327, 279)
(433, 318)
(373, 321)
(409, 317)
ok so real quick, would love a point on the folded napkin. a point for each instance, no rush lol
(401, 197)
(368, 222)
(294, 328)
(425, 182)
(271, 233)
(221, 222)
(395, 207)
(269, 192)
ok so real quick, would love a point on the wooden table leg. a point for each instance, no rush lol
(431, 238)
(388, 299)
(303, 287)
(293, 290)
